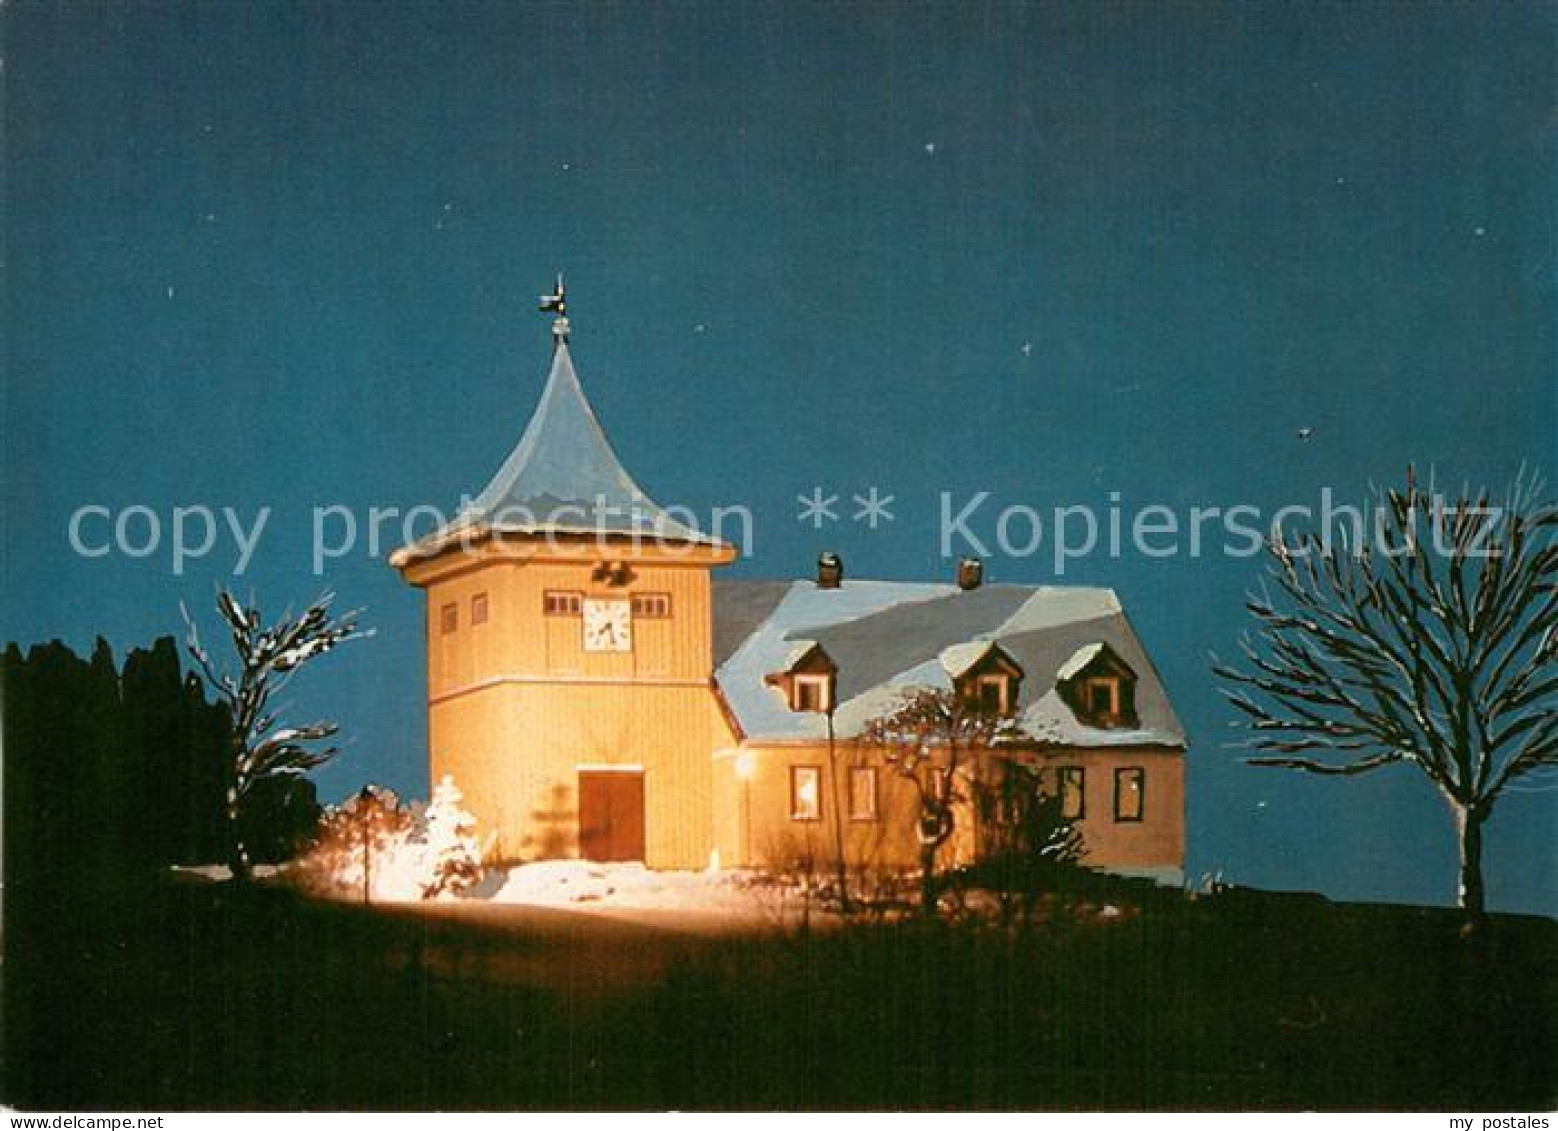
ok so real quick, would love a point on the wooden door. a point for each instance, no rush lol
(611, 815)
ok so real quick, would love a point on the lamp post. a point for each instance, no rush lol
(841, 869)
(364, 799)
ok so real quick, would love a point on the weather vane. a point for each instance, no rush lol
(557, 303)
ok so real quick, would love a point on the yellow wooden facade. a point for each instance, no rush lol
(517, 707)
(530, 721)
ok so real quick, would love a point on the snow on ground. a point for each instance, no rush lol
(220, 873)
(576, 885)
(580, 884)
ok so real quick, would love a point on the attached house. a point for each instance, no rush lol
(1063, 660)
(595, 691)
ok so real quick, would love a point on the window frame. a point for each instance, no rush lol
(480, 608)
(1003, 691)
(797, 813)
(562, 603)
(1065, 775)
(1121, 775)
(821, 683)
(873, 812)
(651, 606)
(449, 618)
(1108, 683)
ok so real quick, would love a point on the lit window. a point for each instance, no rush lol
(1130, 787)
(813, 693)
(1073, 795)
(862, 793)
(652, 606)
(560, 603)
(449, 618)
(805, 793)
(479, 609)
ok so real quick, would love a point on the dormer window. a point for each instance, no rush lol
(1099, 687)
(1102, 696)
(811, 693)
(993, 693)
(985, 677)
(808, 680)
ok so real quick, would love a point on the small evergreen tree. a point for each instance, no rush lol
(452, 856)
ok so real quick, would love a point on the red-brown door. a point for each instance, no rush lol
(611, 815)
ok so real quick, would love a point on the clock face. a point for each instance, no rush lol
(608, 626)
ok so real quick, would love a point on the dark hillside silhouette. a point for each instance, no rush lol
(111, 776)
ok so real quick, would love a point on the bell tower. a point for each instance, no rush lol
(569, 647)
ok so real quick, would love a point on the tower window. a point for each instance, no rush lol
(562, 603)
(652, 606)
(479, 609)
(805, 793)
(1130, 788)
(449, 618)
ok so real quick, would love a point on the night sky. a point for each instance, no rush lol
(287, 255)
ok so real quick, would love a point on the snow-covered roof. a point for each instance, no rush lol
(1079, 660)
(887, 637)
(799, 650)
(958, 659)
(562, 477)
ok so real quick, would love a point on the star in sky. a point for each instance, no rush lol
(817, 508)
(873, 508)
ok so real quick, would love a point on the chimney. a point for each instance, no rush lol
(830, 570)
(971, 571)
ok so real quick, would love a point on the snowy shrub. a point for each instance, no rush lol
(372, 847)
(451, 856)
(368, 847)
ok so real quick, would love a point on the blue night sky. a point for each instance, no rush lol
(286, 255)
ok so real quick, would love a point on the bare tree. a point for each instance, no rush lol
(1431, 644)
(261, 748)
(935, 739)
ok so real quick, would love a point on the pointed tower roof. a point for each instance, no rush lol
(562, 478)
